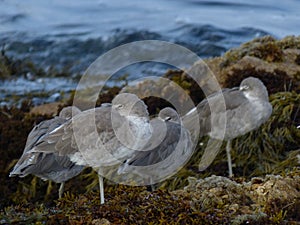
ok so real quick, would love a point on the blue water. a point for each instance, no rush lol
(69, 35)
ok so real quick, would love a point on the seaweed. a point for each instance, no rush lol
(265, 48)
(189, 197)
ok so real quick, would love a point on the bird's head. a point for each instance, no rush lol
(129, 105)
(253, 88)
(169, 114)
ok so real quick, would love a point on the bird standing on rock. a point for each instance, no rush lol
(47, 165)
(102, 137)
(169, 147)
(228, 114)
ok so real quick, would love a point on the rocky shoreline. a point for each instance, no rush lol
(266, 186)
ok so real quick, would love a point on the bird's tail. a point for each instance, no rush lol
(21, 168)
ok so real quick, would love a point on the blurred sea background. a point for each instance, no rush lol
(65, 37)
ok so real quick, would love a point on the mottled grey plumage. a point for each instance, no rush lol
(169, 147)
(246, 108)
(104, 136)
(48, 166)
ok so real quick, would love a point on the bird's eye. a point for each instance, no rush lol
(168, 118)
(244, 87)
(120, 106)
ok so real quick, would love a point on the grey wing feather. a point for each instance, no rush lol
(40, 131)
(37, 134)
(162, 151)
(60, 139)
(54, 167)
(63, 140)
(44, 165)
(232, 98)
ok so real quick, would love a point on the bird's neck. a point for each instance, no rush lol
(141, 127)
(255, 98)
(137, 119)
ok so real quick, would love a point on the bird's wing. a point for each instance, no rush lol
(50, 162)
(47, 166)
(231, 99)
(40, 132)
(36, 136)
(64, 139)
(161, 151)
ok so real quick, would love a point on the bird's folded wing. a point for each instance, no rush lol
(39, 132)
(215, 105)
(162, 149)
(65, 138)
(227, 99)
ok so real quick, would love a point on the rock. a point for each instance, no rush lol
(49, 109)
(275, 62)
(268, 195)
(100, 222)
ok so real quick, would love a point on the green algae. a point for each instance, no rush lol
(187, 83)
(273, 148)
(213, 200)
(10, 66)
(84, 208)
(275, 62)
(266, 48)
(5, 69)
(263, 150)
(276, 81)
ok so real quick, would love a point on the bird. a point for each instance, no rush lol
(103, 136)
(168, 149)
(47, 166)
(230, 113)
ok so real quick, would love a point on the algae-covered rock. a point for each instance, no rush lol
(212, 200)
(265, 189)
(275, 62)
(274, 188)
(5, 70)
(12, 67)
(263, 151)
(218, 192)
(270, 199)
(49, 109)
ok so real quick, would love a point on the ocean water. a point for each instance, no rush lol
(70, 35)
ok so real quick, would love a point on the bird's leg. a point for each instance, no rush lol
(61, 189)
(33, 186)
(150, 186)
(49, 188)
(101, 186)
(228, 149)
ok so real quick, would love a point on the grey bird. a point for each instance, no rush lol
(48, 165)
(102, 137)
(168, 149)
(246, 108)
